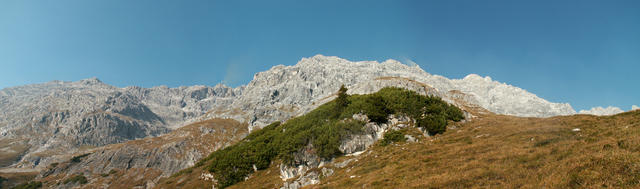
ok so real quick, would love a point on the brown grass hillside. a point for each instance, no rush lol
(497, 151)
(508, 152)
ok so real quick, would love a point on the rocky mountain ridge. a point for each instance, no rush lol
(41, 124)
(91, 113)
(40, 121)
(285, 91)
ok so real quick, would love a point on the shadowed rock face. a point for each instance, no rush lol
(58, 118)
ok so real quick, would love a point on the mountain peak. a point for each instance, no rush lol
(477, 77)
(321, 59)
(91, 81)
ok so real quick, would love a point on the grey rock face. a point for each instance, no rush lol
(286, 91)
(62, 117)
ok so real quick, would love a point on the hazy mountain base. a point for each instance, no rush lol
(42, 123)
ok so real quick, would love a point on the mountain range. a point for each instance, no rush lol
(59, 128)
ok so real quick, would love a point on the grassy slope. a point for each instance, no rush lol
(492, 151)
(497, 151)
(12, 179)
(508, 152)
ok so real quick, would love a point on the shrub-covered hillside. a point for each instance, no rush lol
(324, 128)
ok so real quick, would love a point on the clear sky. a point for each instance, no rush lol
(583, 52)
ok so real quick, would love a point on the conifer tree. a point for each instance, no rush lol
(342, 100)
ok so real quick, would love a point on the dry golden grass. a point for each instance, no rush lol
(190, 179)
(507, 152)
(497, 151)
(11, 150)
(492, 151)
(268, 178)
(16, 178)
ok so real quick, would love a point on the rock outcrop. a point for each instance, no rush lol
(307, 167)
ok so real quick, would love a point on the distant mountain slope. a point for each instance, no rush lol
(70, 115)
(41, 124)
(143, 162)
(602, 111)
(40, 121)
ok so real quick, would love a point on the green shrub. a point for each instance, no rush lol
(376, 109)
(393, 136)
(323, 128)
(545, 142)
(454, 113)
(113, 171)
(29, 185)
(76, 179)
(343, 99)
(77, 159)
(433, 123)
(328, 138)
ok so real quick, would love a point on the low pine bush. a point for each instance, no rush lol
(393, 136)
(324, 128)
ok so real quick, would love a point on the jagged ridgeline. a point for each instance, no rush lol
(324, 128)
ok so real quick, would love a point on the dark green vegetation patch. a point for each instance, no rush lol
(324, 128)
(2, 180)
(393, 136)
(29, 185)
(77, 159)
(76, 179)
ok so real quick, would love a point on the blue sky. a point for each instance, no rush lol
(585, 52)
